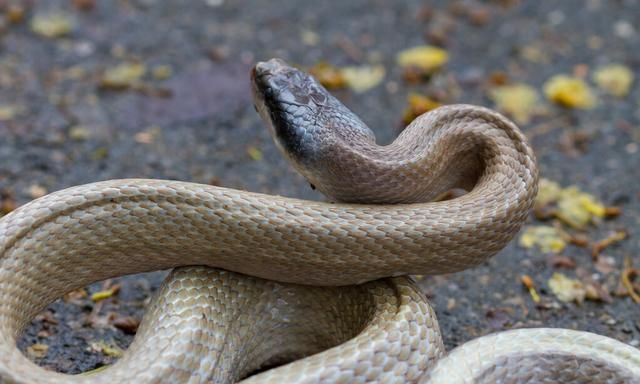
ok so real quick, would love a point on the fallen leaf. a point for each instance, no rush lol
(37, 351)
(578, 209)
(14, 13)
(569, 91)
(594, 290)
(363, 78)
(52, 25)
(8, 112)
(107, 349)
(426, 57)
(516, 100)
(418, 104)
(548, 192)
(571, 205)
(79, 133)
(328, 75)
(36, 191)
(534, 53)
(527, 281)
(123, 76)
(451, 303)
(100, 153)
(567, 289)
(254, 153)
(161, 72)
(548, 239)
(105, 294)
(309, 37)
(628, 274)
(615, 79)
(607, 241)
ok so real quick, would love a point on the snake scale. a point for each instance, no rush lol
(282, 290)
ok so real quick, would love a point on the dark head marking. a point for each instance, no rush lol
(302, 115)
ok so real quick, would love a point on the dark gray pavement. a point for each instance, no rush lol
(199, 125)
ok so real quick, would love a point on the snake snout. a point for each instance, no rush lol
(270, 67)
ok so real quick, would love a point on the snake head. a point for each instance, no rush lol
(304, 119)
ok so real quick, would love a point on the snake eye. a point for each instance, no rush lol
(318, 97)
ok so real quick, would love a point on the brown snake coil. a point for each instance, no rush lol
(214, 325)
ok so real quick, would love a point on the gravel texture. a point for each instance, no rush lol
(198, 124)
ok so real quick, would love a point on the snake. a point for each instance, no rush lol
(273, 289)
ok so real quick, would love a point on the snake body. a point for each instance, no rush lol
(316, 289)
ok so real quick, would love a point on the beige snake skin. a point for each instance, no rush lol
(214, 325)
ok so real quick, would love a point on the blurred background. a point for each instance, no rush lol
(94, 90)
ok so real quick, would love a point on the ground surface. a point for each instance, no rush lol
(59, 129)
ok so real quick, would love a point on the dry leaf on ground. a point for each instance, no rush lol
(418, 104)
(516, 100)
(363, 78)
(422, 61)
(123, 76)
(615, 79)
(570, 92)
(547, 238)
(567, 289)
(52, 25)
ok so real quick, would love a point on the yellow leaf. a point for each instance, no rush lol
(52, 25)
(110, 350)
(123, 75)
(162, 72)
(105, 294)
(567, 289)
(615, 79)
(37, 351)
(254, 153)
(79, 132)
(517, 100)
(309, 37)
(570, 92)
(14, 13)
(100, 153)
(548, 239)
(328, 75)
(527, 281)
(577, 208)
(417, 105)
(363, 78)
(425, 57)
(7, 112)
(548, 192)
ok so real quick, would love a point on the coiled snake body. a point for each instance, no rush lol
(263, 307)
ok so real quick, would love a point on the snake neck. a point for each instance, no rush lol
(457, 146)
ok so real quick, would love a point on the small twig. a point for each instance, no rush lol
(607, 241)
(628, 274)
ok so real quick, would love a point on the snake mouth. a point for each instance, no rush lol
(270, 67)
(264, 83)
(264, 76)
